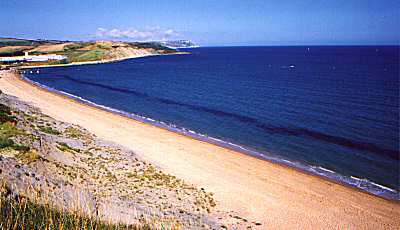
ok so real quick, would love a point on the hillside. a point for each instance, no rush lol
(64, 175)
(79, 52)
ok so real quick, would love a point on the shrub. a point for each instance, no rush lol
(73, 132)
(73, 46)
(65, 147)
(49, 130)
(5, 114)
(5, 109)
(21, 148)
(5, 142)
(28, 156)
(8, 129)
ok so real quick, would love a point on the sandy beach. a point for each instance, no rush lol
(278, 197)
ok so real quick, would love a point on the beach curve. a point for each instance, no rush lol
(277, 196)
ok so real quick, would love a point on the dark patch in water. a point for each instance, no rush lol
(332, 139)
(289, 131)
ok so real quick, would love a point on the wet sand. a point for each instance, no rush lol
(276, 196)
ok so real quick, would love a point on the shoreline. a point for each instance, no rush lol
(390, 193)
(98, 62)
(255, 193)
(98, 179)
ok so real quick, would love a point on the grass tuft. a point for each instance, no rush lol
(8, 130)
(73, 132)
(5, 114)
(28, 156)
(49, 130)
(18, 212)
(66, 148)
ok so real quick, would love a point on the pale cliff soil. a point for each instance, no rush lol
(51, 47)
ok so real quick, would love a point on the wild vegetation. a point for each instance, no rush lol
(25, 42)
(8, 129)
(80, 51)
(19, 212)
(82, 182)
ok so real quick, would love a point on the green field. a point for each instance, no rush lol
(78, 51)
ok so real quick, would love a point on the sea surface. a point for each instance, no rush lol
(331, 111)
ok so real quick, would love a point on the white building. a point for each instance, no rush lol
(43, 58)
(33, 58)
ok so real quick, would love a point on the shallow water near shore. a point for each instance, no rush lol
(332, 111)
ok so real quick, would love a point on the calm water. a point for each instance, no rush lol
(333, 111)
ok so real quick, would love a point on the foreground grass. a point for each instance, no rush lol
(20, 213)
(8, 130)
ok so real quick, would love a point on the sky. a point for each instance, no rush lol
(206, 22)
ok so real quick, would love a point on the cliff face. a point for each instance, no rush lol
(78, 52)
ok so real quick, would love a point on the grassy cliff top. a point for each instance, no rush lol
(79, 51)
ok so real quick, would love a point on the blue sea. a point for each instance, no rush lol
(330, 110)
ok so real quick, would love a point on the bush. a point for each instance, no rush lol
(5, 109)
(66, 148)
(8, 129)
(5, 142)
(21, 148)
(73, 46)
(5, 114)
(28, 156)
(73, 132)
(49, 130)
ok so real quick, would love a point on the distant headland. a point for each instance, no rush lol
(15, 52)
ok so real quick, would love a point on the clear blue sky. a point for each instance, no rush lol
(219, 22)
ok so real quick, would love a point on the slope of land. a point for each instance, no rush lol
(79, 52)
(57, 163)
(18, 212)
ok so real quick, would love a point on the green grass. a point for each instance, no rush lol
(74, 46)
(13, 52)
(5, 114)
(8, 130)
(15, 42)
(28, 156)
(91, 55)
(49, 130)
(25, 42)
(21, 213)
(66, 148)
(5, 142)
(152, 45)
(73, 132)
